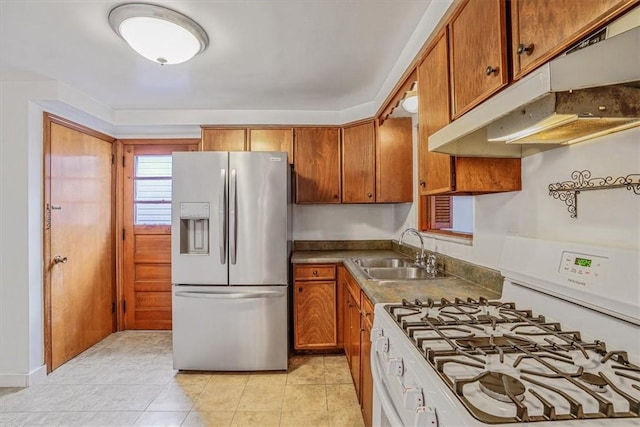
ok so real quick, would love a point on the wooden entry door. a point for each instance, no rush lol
(78, 245)
(146, 259)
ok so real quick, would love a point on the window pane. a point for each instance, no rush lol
(149, 166)
(152, 213)
(149, 190)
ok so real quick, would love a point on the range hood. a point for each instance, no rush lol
(582, 95)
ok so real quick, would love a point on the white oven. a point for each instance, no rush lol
(560, 348)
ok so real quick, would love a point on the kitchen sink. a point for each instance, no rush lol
(401, 273)
(382, 262)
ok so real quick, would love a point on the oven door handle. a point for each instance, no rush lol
(383, 393)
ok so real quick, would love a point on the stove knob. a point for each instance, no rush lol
(395, 367)
(412, 398)
(382, 344)
(376, 333)
(426, 417)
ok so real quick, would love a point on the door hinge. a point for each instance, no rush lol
(47, 222)
(113, 159)
(113, 307)
(124, 233)
(124, 306)
(123, 161)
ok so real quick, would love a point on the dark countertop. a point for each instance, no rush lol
(395, 291)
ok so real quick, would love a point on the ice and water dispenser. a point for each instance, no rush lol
(194, 228)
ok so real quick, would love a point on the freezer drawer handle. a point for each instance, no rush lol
(240, 295)
(222, 217)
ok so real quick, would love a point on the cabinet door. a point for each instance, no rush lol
(346, 323)
(316, 153)
(314, 307)
(435, 169)
(542, 29)
(358, 163)
(394, 161)
(272, 140)
(223, 139)
(487, 175)
(354, 331)
(478, 53)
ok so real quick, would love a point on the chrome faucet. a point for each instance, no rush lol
(419, 256)
(431, 265)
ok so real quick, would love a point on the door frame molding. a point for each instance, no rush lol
(146, 146)
(48, 120)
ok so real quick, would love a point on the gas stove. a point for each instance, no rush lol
(511, 365)
(527, 358)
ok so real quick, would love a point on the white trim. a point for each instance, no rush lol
(37, 376)
(468, 241)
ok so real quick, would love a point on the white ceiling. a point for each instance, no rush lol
(322, 55)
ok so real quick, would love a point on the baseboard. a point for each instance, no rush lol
(37, 376)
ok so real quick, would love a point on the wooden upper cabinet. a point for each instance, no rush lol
(435, 170)
(215, 139)
(358, 163)
(316, 154)
(272, 139)
(394, 161)
(541, 29)
(478, 44)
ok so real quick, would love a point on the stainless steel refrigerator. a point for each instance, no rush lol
(230, 250)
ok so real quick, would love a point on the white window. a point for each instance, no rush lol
(152, 190)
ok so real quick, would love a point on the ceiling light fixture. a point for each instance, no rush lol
(158, 33)
(410, 102)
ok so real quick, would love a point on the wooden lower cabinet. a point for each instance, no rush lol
(315, 301)
(353, 323)
(366, 378)
(358, 321)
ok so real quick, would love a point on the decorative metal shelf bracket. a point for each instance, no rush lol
(568, 191)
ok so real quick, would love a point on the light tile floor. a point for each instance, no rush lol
(127, 380)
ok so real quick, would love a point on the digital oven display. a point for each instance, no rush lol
(583, 262)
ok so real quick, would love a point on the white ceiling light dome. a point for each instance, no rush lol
(158, 33)
(410, 102)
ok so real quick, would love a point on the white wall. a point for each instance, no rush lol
(21, 324)
(347, 222)
(21, 222)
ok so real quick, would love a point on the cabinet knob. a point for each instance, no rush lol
(300, 289)
(422, 183)
(528, 49)
(369, 195)
(315, 272)
(335, 196)
(491, 70)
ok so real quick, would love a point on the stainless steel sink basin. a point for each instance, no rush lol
(401, 273)
(382, 262)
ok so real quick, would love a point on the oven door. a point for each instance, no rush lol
(385, 413)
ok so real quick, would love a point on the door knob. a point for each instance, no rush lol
(58, 259)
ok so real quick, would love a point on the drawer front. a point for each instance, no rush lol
(314, 272)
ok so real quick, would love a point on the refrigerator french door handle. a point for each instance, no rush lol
(222, 217)
(237, 295)
(233, 216)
